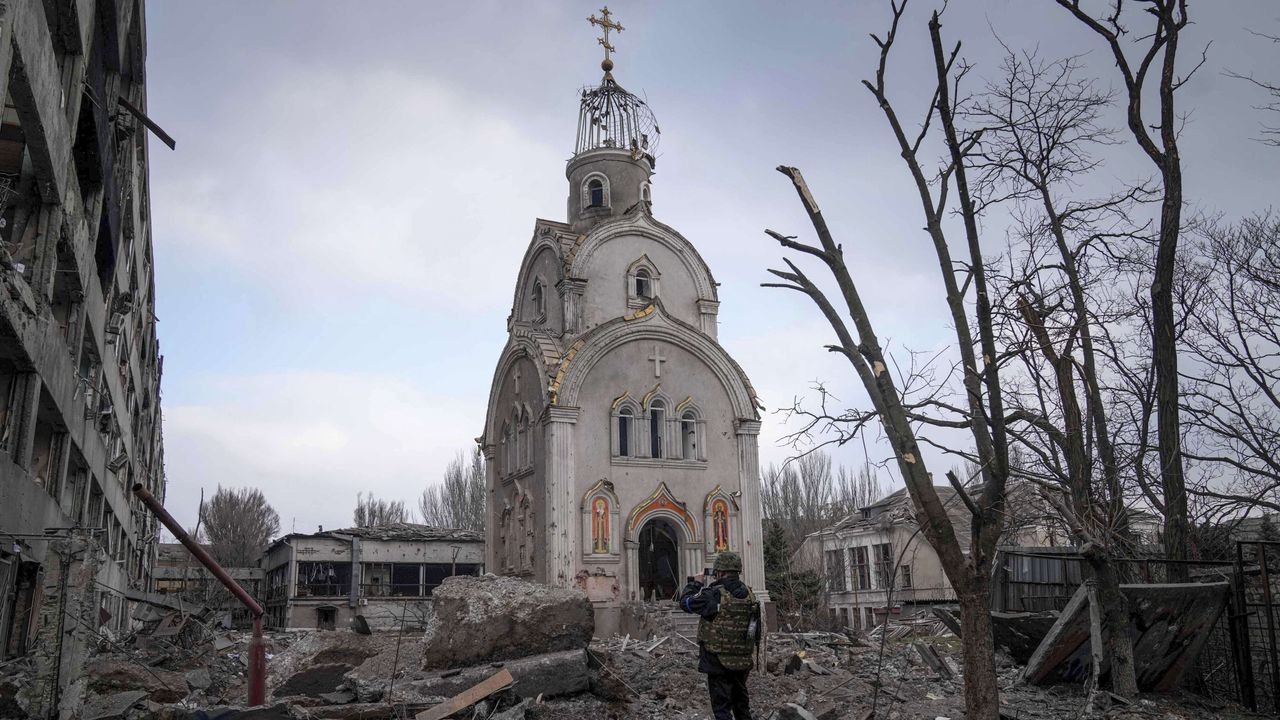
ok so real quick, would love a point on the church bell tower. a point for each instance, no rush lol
(613, 159)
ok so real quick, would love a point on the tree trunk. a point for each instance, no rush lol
(1114, 608)
(981, 694)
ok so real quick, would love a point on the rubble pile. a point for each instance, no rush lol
(498, 618)
(503, 649)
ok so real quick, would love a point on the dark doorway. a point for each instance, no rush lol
(326, 617)
(659, 560)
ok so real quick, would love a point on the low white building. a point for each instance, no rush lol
(877, 563)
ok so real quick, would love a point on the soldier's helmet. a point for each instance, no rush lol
(728, 562)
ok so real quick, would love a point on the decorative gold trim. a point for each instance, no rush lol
(646, 312)
(684, 404)
(719, 492)
(662, 499)
(553, 390)
(618, 400)
(601, 484)
(649, 396)
(706, 502)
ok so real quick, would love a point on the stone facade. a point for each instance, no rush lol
(79, 360)
(621, 437)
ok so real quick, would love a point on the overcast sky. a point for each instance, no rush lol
(338, 232)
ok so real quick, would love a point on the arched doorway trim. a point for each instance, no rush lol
(662, 502)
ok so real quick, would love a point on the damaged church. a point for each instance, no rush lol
(621, 437)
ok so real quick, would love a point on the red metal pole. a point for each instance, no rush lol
(257, 665)
(257, 650)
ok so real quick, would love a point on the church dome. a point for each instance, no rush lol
(611, 117)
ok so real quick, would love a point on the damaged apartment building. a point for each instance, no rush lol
(79, 363)
(384, 574)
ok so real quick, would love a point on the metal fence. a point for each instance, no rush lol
(1256, 622)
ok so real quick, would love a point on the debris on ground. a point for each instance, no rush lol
(544, 665)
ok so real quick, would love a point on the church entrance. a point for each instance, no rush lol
(659, 560)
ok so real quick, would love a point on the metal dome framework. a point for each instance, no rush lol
(611, 117)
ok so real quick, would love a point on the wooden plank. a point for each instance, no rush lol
(467, 698)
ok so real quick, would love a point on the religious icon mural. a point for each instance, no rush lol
(599, 510)
(600, 525)
(720, 525)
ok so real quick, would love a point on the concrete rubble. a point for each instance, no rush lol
(547, 666)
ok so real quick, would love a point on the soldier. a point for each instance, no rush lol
(728, 634)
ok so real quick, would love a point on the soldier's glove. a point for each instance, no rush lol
(693, 587)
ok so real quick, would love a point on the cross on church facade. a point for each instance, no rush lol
(657, 359)
(607, 25)
(517, 379)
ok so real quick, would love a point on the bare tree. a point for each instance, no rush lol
(1271, 90)
(1157, 48)
(1040, 122)
(804, 496)
(372, 512)
(458, 501)
(1232, 389)
(238, 524)
(982, 409)
(853, 491)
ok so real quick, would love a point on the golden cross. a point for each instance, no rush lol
(608, 25)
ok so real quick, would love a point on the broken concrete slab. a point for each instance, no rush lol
(1018, 633)
(486, 618)
(1170, 624)
(549, 675)
(199, 678)
(110, 707)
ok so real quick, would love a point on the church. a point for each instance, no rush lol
(621, 437)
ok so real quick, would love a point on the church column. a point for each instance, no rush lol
(632, 590)
(492, 562)
(561, 511)
(748, 432)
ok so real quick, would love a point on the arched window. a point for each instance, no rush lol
(539, 297)
(514, 451)
(504, 442)
(624, 432)
(689, 435)
(595, 193)
(522, 441)
(644, 284)
(657, 414)
(645, 193)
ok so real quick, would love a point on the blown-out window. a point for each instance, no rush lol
(689, 435)
(644, 284)
(625, 420)
(657, 415)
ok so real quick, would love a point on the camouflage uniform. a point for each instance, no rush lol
(727, 609)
